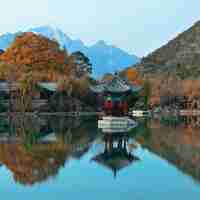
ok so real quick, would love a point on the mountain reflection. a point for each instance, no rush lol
(178, 143)
(36, 148)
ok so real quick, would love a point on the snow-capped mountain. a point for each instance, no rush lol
(104, 58)
(6, 40)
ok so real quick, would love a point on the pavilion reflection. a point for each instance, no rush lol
(116, 155)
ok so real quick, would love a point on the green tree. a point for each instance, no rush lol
(182, 72)
(82, 64)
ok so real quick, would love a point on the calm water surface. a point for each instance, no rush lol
(62, 158)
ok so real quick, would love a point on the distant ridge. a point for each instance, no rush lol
(180, 55)
(105, 58)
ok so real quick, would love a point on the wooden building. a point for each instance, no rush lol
(114, 95)
(9, 92)
(181, 102)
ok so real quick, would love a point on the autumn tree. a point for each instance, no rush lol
(31, 52)
(82, 64)
(132, 74)
(33, 58)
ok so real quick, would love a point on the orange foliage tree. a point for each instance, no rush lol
(33, 58)
(35, 53)
(133, 76)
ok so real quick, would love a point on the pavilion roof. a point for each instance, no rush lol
(6, 87)
(116, 160)
(49, 138)
(50, 86)
(116, 85)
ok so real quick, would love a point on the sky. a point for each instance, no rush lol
(137, 26)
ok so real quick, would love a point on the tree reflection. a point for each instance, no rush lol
(37, 148)
(179, 145)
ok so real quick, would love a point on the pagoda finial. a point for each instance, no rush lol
(115, 173)
(116, 73)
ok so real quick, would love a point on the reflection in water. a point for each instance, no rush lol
(116, 155)
(36, 148)
(178, 143)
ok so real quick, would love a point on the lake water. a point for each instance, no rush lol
(63, 158)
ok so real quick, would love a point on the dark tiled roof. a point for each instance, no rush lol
(116, 160)
(50, 86)
(116, 85)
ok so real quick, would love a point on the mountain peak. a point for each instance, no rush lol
(101, 43)
(46, 27)
(182, 52)
(49, 31)
(104, 58)
(197, 23)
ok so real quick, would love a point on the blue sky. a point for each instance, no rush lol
(138, 26)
